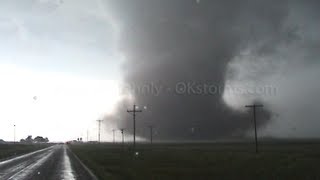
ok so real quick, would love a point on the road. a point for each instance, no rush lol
(55, 162)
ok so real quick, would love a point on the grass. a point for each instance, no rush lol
(202, 161)
(12, 150)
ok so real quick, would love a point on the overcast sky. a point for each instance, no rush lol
(62, 62)
(62, 52)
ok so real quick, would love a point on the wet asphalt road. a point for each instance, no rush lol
(56, 162)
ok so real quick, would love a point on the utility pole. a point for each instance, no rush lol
(113, 132)
(87, 135)
(14, 133)
(122, 133)
(151, 134)
(133, 112)
(99, 127)
(254, 106)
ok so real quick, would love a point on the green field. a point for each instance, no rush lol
(12, 150)
(282, 160)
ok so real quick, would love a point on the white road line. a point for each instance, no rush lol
(93, 177)
(18, 167)
(67, 168)
(23, 156)
(23, 173)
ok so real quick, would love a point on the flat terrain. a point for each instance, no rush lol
(54, 162)
(11, 150)
(281, 160)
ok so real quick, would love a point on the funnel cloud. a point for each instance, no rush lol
(180, 55)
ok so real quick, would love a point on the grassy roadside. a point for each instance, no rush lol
(202, 161)
(11, 150)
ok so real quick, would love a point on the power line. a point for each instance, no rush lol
(254, 106)
(133, 112)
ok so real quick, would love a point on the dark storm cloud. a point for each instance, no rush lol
(169, 42)
(291, 64)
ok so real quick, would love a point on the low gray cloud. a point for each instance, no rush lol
(169, 42)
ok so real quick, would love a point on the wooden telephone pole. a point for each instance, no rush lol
(133, 112)
(122, 134)
(151, 133)
(99, 128)
(254, 106)
(113, 133)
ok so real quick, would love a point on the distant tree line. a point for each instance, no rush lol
(38, 139)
